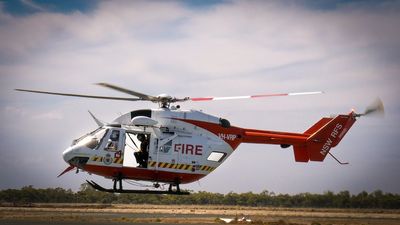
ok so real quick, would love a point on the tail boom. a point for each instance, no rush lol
(312, 145)
(272, 137)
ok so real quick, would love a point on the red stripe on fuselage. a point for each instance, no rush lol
(232, 135)
(244, 135)
(143, 174)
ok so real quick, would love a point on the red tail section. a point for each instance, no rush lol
(323, 136)
(312, 145)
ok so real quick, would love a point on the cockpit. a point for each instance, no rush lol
(131, 146)
(91, 140)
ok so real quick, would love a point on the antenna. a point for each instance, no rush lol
(337, 160)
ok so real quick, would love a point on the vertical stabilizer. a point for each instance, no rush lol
(322, 136)
(321, 141)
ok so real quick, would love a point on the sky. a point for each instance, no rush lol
(348, 49)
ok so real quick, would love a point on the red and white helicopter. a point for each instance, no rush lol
(175, 146)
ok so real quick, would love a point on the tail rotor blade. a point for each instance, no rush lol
(376, 108)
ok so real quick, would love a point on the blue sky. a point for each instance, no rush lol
(26, 7)
(348, 49)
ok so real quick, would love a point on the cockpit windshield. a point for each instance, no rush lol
(91, 140)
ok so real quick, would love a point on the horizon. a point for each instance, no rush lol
(270, 192)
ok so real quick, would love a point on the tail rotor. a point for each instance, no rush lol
(376, 108)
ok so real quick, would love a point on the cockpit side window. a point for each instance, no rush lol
(112, 143)
(93, 139)
(86, 135)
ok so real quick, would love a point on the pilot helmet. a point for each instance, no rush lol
(140, 137)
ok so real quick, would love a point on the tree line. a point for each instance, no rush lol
(87, 194)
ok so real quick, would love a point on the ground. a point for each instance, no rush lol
(70, 214)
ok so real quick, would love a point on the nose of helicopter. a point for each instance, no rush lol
(76, 155)
(68, 154)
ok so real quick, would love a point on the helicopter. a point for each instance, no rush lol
(173, 146)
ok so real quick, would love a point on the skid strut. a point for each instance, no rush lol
(119, 180)
(121, 190)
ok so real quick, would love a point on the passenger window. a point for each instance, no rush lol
(167, 147)
(216, 156)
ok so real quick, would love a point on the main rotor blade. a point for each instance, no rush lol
(253, 96)
(130, 92)
(79, 95)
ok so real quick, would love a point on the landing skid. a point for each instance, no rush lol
(114, 190)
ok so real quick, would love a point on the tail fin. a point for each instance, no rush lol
(324, 135)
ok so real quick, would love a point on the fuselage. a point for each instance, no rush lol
(183, 146)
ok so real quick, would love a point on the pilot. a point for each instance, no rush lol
(114, 135)
(113, 141)
(142, 155)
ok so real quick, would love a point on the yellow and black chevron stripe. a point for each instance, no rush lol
(207, 168)
(180, 166)
(97, 158)
(118, 160)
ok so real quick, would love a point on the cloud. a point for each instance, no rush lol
(232, 48)
(31, 4)
(242, 37)
(18, 112)
(49, 116)
(15, 111)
